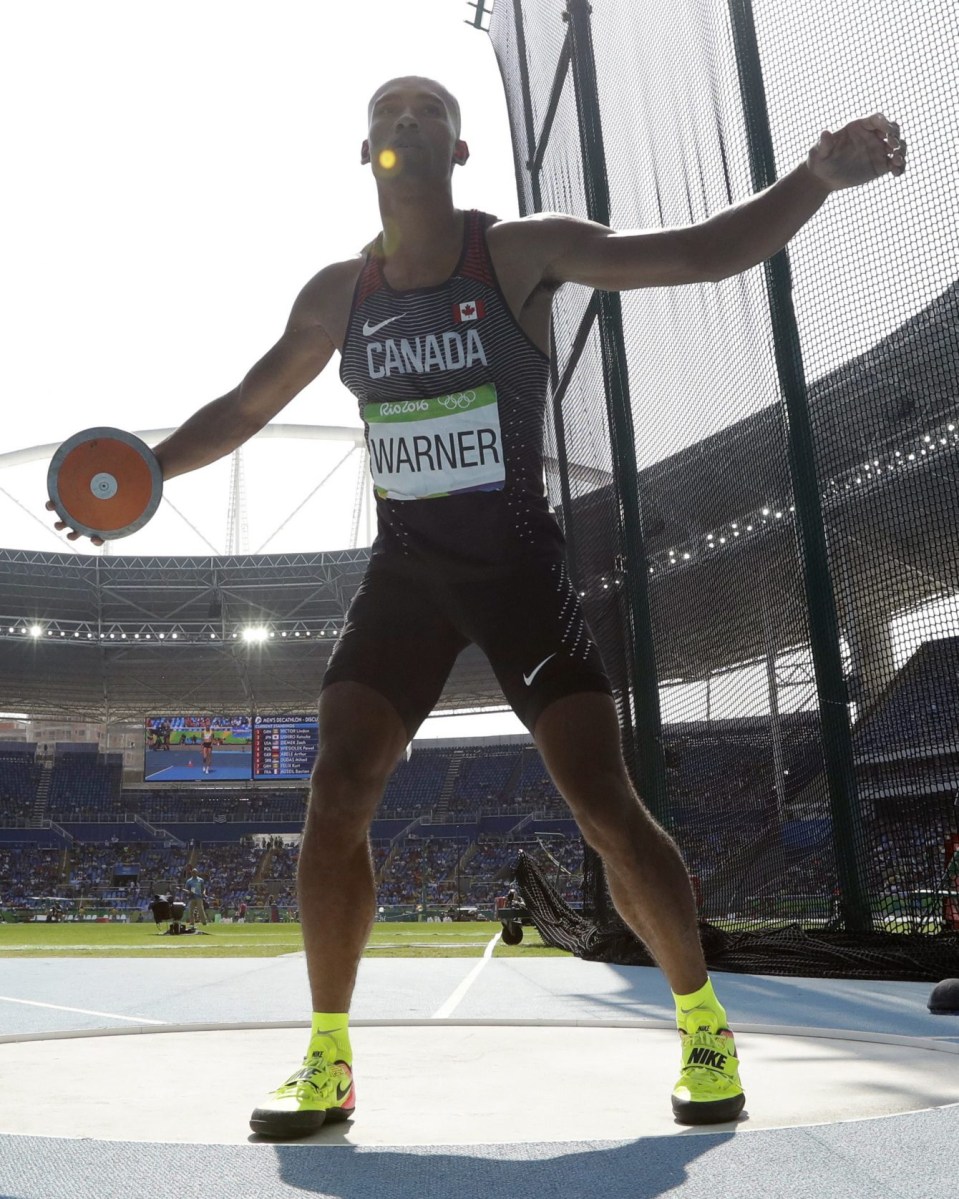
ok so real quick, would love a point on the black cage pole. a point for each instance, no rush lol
(650, 768)
(820, 598)
(528, 123)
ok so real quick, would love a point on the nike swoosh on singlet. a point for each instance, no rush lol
(528, 679)
(369, 330)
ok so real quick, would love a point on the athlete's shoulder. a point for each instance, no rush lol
(324, 302)
(536, 238)
(522, 249)
(330, 285)
(539, 228)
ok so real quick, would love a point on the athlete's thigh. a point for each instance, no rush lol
(531, 626)
(397, 640)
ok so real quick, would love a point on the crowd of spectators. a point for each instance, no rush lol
(228, 870)
(282, 863)
(720, 786)
(422, 871)
(28, 871)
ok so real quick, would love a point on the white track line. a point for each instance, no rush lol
(452, 1003)
(58, 1007)
(152, 778)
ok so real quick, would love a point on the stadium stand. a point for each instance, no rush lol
(920, 710)
(454, 819)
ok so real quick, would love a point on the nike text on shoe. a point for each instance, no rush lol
(321, 1090)
(708, 1090)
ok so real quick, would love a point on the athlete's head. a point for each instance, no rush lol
(414, 128)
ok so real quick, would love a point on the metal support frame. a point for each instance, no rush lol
(649, 764)
(820, 598)
(483, 9)
(642, 714)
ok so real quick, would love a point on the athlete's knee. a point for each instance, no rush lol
(347, 779)
(361, 738)
(612, 817)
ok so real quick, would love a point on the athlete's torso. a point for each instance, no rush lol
(452, 393)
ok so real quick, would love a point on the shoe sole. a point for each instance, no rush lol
(716, 1111)
(287, 1126)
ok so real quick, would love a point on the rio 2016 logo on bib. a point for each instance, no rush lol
(404, 407)
(423, 449)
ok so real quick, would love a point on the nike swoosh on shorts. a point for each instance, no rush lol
(528, 679)
(369, 330)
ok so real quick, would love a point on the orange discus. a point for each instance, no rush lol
(105, 483)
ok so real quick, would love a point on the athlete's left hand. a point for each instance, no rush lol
(861, 151)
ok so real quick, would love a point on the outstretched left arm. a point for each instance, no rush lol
(750, 232)
(736, 239)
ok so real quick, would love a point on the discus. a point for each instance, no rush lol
(105, 483)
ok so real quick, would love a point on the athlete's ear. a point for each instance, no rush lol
(365, 153)
(461, 152)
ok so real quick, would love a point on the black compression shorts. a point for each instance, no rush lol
(404, 631)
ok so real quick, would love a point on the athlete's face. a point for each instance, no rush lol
(414, 131)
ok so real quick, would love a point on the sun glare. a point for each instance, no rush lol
(387, 160)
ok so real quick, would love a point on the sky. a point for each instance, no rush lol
(179, 172)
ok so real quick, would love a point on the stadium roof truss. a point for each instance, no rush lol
(113, 638)
(110, 638)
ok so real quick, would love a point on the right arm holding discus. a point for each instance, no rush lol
(316, 328)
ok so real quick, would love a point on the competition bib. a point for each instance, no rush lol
(421, 449)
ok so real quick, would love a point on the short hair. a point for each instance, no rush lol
(452, 104)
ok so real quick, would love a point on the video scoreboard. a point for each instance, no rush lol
(203, 748)
(284, 747)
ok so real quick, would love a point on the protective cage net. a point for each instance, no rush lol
(793, 720)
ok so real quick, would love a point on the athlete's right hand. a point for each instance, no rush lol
(60, 525)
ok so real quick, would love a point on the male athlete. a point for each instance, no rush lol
(443, 329)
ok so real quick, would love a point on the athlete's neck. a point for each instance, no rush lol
(422, 236)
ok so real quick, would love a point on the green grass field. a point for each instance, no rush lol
(256, 941)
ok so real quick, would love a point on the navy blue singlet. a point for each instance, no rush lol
(452, 394)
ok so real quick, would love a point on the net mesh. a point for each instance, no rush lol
(817, 816)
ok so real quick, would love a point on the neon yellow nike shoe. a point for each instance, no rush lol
(321, 1090)
(708, 1091)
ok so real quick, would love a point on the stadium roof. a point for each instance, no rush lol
(115, 638)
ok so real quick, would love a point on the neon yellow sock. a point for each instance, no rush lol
(336, 1026)
(705, 997)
